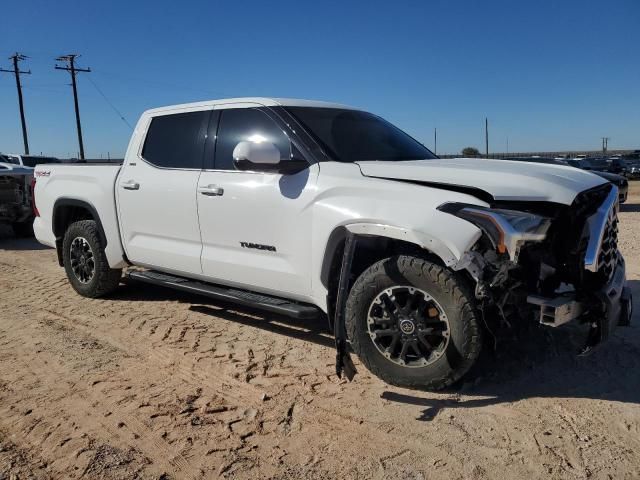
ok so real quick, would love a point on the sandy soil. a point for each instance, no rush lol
(155, 384)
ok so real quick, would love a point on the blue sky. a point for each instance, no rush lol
(550, 75)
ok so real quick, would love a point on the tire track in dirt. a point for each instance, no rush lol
(90, 408)
(243, 394)
(157, 351)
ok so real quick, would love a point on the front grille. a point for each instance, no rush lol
(602, 255)
(608, 256)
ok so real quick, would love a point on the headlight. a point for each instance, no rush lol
(507, 229)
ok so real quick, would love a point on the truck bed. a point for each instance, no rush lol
(79, 184)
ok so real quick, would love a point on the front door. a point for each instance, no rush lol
(255, 226)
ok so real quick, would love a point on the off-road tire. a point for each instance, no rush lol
(23, 229)
(450, 291)
(105, 280)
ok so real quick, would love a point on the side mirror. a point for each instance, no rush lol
(256, 156)
(265, 156)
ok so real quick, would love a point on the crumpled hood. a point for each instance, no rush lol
(502, 179)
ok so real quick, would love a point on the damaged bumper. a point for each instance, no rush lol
(605, 309)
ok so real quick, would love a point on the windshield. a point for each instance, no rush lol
(352, 135)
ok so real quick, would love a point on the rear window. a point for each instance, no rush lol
(177, 140)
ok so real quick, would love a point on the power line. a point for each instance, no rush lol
(110, 103)
(73, 70)
(17, 72)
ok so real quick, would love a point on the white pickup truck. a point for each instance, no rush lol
(309, 208)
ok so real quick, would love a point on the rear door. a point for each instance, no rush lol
(157, 194)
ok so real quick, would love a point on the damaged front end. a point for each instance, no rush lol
(551, 262)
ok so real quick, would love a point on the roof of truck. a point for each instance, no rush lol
(248, 101)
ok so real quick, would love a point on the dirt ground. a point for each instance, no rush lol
(155, 384)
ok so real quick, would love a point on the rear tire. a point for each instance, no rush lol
(85, 262)
(443, 331)
(23, 229)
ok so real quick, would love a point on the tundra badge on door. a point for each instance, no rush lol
(258, 246)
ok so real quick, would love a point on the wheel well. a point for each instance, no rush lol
(368, 251)
(68, 211)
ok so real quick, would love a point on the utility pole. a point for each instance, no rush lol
(486, 136)
(435, 141)
(73, 70)
(16, 70)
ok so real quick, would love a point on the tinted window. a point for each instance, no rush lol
(352, 135)
(247, 124)
(176, 141)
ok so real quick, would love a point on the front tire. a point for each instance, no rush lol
(85, 262)
(412, 323)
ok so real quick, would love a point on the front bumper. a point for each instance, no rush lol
(604, 310)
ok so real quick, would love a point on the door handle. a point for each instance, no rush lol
(211, 190)
(131, 185)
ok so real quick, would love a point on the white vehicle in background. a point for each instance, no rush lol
(309, 208)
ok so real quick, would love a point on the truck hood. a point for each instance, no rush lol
(502, 179)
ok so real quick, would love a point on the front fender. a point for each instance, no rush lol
(449, 251)
(462, 235)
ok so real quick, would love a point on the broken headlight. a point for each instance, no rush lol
(507, 229)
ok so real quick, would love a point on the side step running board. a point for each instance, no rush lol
(240, 297)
